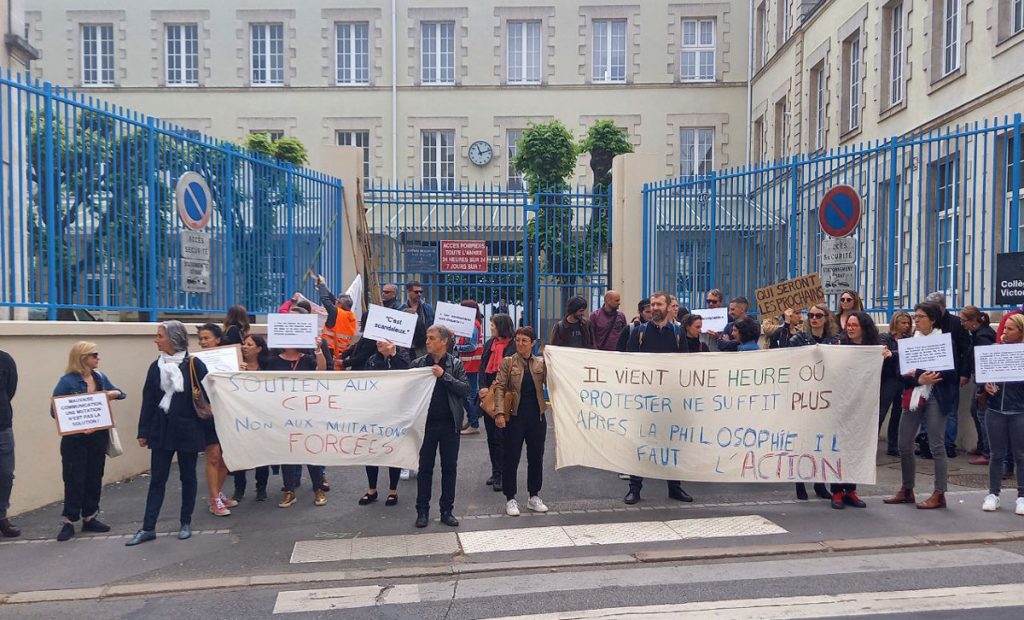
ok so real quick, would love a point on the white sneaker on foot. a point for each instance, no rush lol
(992, 503)
(512, 508)
(1020, 506)
(404, 475)
(536, 504)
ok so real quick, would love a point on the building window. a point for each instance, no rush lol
(514, 179)
(438, 159)
(182, 54)
(896, 53)
(761, 34)
(944, 183)
(852, 83)
(98, 54)
(783, 23)
(758, 148)
(360, 139)
(272, 134)
(1018, 17)
(818, 103)
(267, 54)
(609, 50)
(352, 54)
(890, 246)
(437, 48)
(697, 60)
(524, 52)
(781, 129)
(696, 151)
(1011, 189)
(950, 36)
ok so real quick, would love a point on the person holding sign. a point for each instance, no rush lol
(978, 325)
(470, 351)
(216, 471)
(83, 456)
(387, 357)
(340, 328)
(254, 357)
(1004, 421)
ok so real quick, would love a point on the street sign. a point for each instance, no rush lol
(420, 259)
(838, 278)
(1010, 279)
(838, 251)
(194, 200)
(195, 245)
(464, 256)
(839, 211)
(195, 276)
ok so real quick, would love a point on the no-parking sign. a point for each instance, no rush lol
(839, 211)
(194, 200)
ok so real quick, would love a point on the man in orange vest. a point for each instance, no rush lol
(470, 351)
(341, 325)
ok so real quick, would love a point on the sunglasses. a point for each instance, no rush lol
(94, 355)
(815, 315)
(419, 292)
(846, 299)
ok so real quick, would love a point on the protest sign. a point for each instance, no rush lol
(798, 293)
(355, 291)
(460, 319)
(220, 359)
(785, 415)
(323, 418)
(999, 363)
(713, 319)
(386, 324)
(933, 352)
(292, 331)
(79, 413)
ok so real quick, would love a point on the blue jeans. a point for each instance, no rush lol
(952, 426)
(472, 400)
(160, 471)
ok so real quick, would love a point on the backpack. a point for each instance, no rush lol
(643, 329)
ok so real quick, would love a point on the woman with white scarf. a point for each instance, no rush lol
(169, 425)
(928, 395)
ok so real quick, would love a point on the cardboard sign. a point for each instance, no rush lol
(713, 319)
(292, 331)
(79, 413)
(933, 352)
(458, 318)
(393, 325)
(799, 293)
(999, 363)
(1010, 278)
(464, 256)
(220, 359)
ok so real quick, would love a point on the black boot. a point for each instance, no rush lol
(422, 519)
(496, 485)
(821, 491)
(8, 530)
(801, 491)
(449, 519)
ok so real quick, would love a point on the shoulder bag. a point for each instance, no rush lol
(202, 406)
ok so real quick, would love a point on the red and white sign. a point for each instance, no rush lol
(464, 256)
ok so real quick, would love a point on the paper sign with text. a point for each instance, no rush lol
(321, 418)
(785, 415)
(79, 413)
(292, 331)
(387, 324)
(999, 363)
(933, 352)
(460, 319)
(220, 359)
(355, 291)
(713, 319)
(799, 293)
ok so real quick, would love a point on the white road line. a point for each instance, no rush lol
(344, 598)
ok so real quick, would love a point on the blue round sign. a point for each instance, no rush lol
(839, 211)
(192, 195)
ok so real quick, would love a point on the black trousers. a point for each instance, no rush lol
(83, 458)
(637, 482)
(241, 478)
(443, 439)
(160, 471)
(890, 402)
(530, 428)
(292, 475)
(842, 487)
(495, 445)
(394, 473)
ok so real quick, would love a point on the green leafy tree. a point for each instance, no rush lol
(603, 142)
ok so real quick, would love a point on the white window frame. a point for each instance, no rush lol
(946, 188)
(696, 151)
(950, 36)
(359, 138)
(699, 50)
(782, 128)
(437, 53)
(263, 39)
(273, 134)
(513, 178)
(1008, 191)
(181, 54)
(524, 52)
(437, 150)
(820, 107)
(853, 83)
(97, 54)
(762, 15)
(1016, 16)
(351, 53)
(896, 35)
(609, 61)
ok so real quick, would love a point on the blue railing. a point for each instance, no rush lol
(89, 217)
(937, 208)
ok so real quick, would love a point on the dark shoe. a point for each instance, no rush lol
(261, 494)
(325, 486)
(496, 485)
(238, 495)
(801, 491)
(422, 519)
(837, 501)
(680, 495)
(391, 500)
(67, 531)
(490, 480)
(937, 500)
(8, 530)
(632, 497)
(140, 537)
(367, 499)
(950, 452)
(903, 496)
(185, 532)
(895, 453)
(975, 452)
(821, 491)
(95, 525)
(449, 519)
(925, 452)
(852, 499)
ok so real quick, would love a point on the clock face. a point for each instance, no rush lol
(480, 153)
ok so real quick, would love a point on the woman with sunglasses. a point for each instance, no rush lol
(849, 302)
(83, 456)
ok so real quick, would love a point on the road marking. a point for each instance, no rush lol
(823, 606)
(408, 545)
(344, 598)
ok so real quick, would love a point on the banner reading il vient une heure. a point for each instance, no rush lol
(320, 418)
(806, 414)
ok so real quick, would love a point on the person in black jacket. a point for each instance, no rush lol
(1005, 420)
(901, 325)
(978, 326)
(169, 425)
(387, 357)
(643, 315)
(950, 324)
(236, 326)
(497, 347)
(8, 386)
(792, 318)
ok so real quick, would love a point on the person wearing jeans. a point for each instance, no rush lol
(8, 386)
(471, 351)
(1005, 423)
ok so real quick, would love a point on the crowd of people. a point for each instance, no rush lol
(500, 381)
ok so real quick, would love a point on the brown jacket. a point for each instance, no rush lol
(510, 381)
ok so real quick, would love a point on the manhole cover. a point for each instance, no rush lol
(978, 481)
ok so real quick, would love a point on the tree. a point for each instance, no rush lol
(604, 141)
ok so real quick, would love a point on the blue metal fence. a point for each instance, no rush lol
(89, 217)
(937, 208)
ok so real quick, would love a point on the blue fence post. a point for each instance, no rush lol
(229, 224)
(892, 224)
(290, 250)
(339, 191)
(794, 204)
(645, 243)
(1015, 196)
(51, 205)
(153, 218)
(712, 244)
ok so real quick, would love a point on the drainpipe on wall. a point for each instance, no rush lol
(394, 91)
(750, 74)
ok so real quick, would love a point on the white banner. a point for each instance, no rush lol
(999, 363)
(321, 418)
(807, 414)
(355, 291)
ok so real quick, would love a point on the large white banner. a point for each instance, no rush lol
(807, 414)
(320, 418)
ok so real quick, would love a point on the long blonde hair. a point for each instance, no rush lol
(76, 357)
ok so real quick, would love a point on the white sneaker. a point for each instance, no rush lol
(992, 503)
(404, 475)
(1020, 506)
(536, 504)
(512, 508)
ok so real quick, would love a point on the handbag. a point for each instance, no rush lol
(199, 402)
(114, 448)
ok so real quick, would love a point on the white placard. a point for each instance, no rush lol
(456, 317)
(292, 331)
(714, 319)
(999, 363)
(220, 359)
(355, 291)
(926, 353)
(79, 413)
(387, 324)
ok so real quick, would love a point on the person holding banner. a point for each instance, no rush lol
(444, 420)
(387, 357)
(83, 456)
(216, 471)
(470, 351)
(520, 386)
(254, 358)
(496, 349)
(1005, 424)
(169, 426)
(693, 326)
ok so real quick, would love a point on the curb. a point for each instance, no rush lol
(458, 569)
